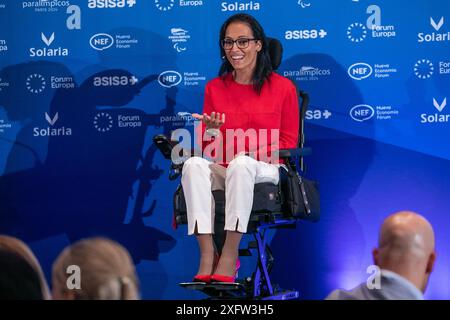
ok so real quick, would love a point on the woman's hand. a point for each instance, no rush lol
(214, 121)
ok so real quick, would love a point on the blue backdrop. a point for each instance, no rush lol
(84, 85)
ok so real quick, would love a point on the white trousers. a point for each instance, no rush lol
(200, 177)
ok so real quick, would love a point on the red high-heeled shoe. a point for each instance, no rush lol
(228, 279)
(207, 277)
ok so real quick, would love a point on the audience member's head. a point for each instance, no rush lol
(18, 279)
(406, 247)
(19, 248)
(106, 272)
(405, 257)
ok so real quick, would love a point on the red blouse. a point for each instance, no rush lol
(276, 107)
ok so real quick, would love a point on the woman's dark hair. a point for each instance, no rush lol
(263, 64)
(18, 279)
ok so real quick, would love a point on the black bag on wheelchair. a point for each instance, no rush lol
(302, 198)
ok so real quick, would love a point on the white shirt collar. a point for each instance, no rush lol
(403, 281)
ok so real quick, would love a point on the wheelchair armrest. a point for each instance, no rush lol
(165, 145)
(294, 152)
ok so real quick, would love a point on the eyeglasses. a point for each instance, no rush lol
(241, 43)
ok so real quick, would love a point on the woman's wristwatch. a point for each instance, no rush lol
(213, 132)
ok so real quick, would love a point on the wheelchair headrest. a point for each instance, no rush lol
(275, 50)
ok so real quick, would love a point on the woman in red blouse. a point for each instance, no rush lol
(249, 111)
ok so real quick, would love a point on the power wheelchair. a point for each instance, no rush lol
(269, 211)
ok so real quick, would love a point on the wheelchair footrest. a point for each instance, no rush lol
(220, 290)
(283, 295)
(236, 290)
(216, 286)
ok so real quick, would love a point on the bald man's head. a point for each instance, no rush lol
(406, 246)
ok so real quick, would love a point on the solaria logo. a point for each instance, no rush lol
(240, 6)
(51, 130)
(164, 5)
(48, 51)
(435, 35)
(436, 117)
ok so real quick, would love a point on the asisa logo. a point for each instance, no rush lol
(114, 81)
(240, 6)
(360, 71)
(106, 4)
(169, 78)
(317, 114)
(101, 41)
(305, 34)
(362, 112)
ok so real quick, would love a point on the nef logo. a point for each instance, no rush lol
(360, 71)
(105, 4)
(361, 112)
(169, 78)
(101, 41)
(305, 34)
